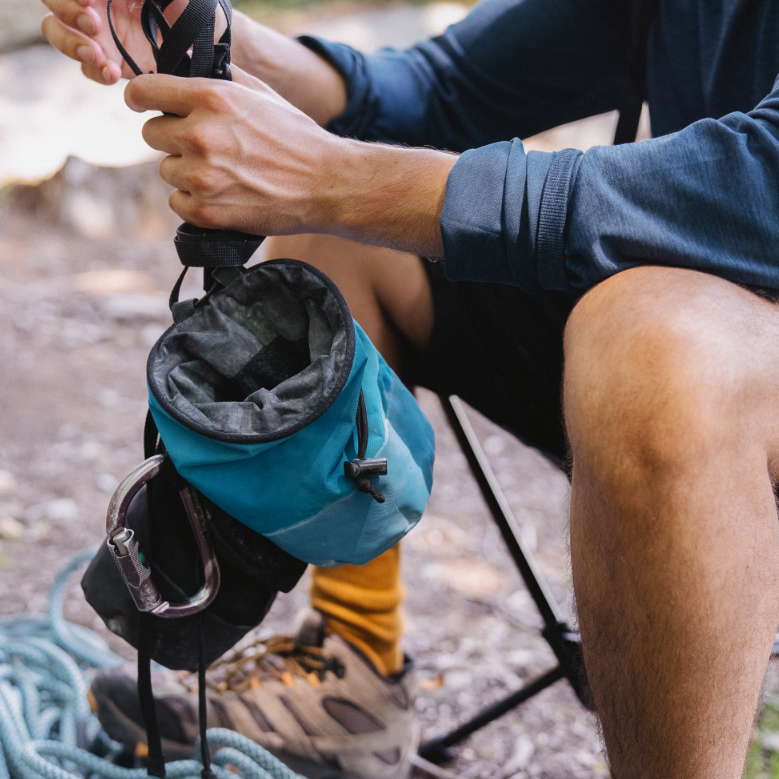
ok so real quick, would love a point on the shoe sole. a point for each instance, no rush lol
(119, 726)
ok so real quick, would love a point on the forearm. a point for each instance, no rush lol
(290, 68)
(382, 195)
(510, 68)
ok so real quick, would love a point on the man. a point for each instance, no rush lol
(671, 387)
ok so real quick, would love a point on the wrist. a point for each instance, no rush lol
(383, 195)
(293, 70)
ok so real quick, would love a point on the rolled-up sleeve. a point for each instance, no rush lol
(705, 198)
(510, 68)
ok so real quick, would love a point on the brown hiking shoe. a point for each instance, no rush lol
(312, 696)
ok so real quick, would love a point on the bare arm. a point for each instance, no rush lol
(289, 68)
(241, 157)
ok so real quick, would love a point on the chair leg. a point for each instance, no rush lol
(565, 644)
(439, 749)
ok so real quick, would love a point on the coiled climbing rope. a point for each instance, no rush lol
(45, 716)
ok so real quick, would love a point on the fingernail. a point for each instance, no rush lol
(106, 73)
(86, 54)
(86, 24)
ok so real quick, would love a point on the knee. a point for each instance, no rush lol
(657, 370)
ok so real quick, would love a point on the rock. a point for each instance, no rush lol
(111, 281)
(106, 482)
(20, 23)
(100, 202)
(11, 529)
(520, 757)
(473, 578)
(54, 510)
(7, 482)
(136, 305)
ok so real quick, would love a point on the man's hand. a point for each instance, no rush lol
(79, 29)
(241, 157)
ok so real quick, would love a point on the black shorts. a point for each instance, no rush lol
(501, 351)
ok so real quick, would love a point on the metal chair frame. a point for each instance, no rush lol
(565, 643)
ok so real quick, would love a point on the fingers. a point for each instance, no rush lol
(195, 190)
(94, 62)
(190, 210)
(180, 203)
(108, 73)
(159, 92)
(161, 134)
(169, 173)
(70, 42)
(76, 14)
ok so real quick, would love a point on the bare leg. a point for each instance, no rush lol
(672, 407)
(387, 291)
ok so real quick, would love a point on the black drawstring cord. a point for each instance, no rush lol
(155, 762)
(361, 468)
(202, 711)
(208, 59)
(125, 54)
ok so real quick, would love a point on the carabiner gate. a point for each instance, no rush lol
(129, 558)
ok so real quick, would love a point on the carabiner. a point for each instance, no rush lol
(129, 559)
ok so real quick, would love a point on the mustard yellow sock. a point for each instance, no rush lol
(362, 603)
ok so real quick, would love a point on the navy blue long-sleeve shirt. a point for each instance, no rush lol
(703, 194)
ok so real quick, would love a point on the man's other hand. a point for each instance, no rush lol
(79, 29)
(243, 158)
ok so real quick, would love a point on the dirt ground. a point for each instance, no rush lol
(77, 318)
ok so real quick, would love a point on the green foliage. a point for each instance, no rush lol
(262, 10)
(763, 756)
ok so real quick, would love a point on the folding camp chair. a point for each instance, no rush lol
(565, 644)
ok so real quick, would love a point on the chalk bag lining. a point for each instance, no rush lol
(259, 359)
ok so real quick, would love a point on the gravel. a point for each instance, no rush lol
(77, 318)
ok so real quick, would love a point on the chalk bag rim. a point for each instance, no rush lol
(316, 413)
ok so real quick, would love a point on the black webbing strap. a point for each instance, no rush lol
(194, 29)
(147, 633)
(221, 253)
(642, 13)
(200, 247)
(150, 436)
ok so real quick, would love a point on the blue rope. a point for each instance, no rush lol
(43, 704)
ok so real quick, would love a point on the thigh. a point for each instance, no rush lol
(500, 350)
(387, 291)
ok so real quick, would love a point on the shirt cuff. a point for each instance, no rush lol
(361, 105)
(505, 215)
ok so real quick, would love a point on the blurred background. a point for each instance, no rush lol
(86, 264)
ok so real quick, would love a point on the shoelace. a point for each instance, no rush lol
(279, 657)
